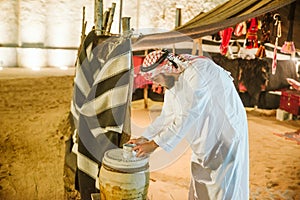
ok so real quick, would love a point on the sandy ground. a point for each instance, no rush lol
(34, 109)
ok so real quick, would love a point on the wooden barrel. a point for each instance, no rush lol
(122, 177)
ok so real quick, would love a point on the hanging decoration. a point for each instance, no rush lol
(251, 36)
(240, 29)
(289, 47)
(225, 36)
(277, 19)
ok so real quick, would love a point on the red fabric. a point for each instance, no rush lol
(139, 80)
(242, 87)
(225, 36)
(251, 37)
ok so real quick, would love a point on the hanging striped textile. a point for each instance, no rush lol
(101, 104)
(274, 63)
(277, 19)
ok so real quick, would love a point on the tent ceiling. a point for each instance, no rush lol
(228, 14)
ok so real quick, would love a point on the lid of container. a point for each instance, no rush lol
(115, 159)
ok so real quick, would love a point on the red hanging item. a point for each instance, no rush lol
(251, 36)
(225, 36)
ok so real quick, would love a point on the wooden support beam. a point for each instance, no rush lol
(197, 43)
(146, 90)
(200, 50)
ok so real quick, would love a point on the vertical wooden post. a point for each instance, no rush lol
(200, 50)
(146, 90)
(178, 17)
(177, 23)
(197, 42)
(83, 28)
(110, 18)
(120, 16)
(194, 50)
(105, 19)
(98, 15)
(125, 24)
(146, 97)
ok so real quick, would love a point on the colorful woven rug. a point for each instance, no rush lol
(294, 136)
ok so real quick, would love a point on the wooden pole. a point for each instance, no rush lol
(98, 15)
(200, 50)
(197, 42)
(125, 24)
(194, 50)
(82, 37)
(178, 17)
(146, 90)
(110, 18)
(177, 23)
(105, 18)
(120, 16)
(83, 25)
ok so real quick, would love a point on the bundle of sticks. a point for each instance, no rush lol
(103, 21)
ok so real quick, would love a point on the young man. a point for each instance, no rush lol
(201, 105)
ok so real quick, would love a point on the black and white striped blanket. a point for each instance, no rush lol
(101, 103)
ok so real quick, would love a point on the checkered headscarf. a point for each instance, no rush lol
(159, 61)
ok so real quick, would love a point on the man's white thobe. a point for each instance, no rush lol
(204, 108)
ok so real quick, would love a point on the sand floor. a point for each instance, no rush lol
(34, 125)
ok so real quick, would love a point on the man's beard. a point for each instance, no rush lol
(169, 81)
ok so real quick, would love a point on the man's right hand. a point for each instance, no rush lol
(145, 148)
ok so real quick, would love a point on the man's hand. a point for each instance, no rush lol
(145, 148)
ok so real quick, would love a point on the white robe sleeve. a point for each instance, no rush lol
(163, 120)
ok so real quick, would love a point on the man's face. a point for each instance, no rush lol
(164, 80)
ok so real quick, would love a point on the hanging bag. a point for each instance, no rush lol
(289, 47)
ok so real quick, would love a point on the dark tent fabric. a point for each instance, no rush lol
(226, 15)
(101, 104)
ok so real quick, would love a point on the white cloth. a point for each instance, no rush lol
(204, 108)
